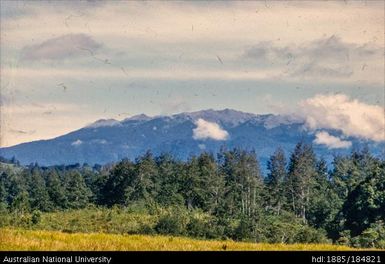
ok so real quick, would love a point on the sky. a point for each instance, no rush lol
(66, 64)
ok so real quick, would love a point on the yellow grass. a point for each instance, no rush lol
(19, 239)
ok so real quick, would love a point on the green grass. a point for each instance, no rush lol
(113, 229)
(21, 239)
(100, 221)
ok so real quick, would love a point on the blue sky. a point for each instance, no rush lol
(65, 64)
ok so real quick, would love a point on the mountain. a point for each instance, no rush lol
(111, 140)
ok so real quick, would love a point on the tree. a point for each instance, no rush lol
(56, 190)
(77, 192)
(350, 171)
(275, 180)
(192, 185)
(3, 188)
(120, 179)
(143, 187)
(91, 180)
(169, 181)
(39, 198)
(322, 204)
(20, 203)
(211, 181)
(366, 203)
(243, 182)
(203, 184)
(17, 190)
(302, 171)
(372, 237)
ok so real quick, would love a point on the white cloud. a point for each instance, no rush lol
(350, 116)
(68, 45)
(332, 142)
(209, 130)
(100, 141)
(202, 146)
(77, 143)
(157, 19)
(327, 57)
(175, 105)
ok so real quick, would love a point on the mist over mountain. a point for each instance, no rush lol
(181, 135)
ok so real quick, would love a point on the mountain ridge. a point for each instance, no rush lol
(109, 140)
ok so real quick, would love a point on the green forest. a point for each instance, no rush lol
(223, 196)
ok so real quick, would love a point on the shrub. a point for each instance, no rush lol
(307, 234)
(36, 217)
(374, 236)
(244, 230)
(169, 225)
(173, 222)
(344, 238)
(146, 229)
(203, 226)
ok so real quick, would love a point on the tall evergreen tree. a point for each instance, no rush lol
(146, 173)
(17, 189)
(169, 181)
(349, 171)
(215, 182)
(192, 188)
(275, 180)
(322, 206)
(77, 192)
(210, 182)
(4, 188)
(38, 194)
(119, 184)
(243, 179)
(55, 189)
(366, 203)
(20, 203)
(302, 171)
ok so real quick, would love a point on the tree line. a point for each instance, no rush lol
(299, 200)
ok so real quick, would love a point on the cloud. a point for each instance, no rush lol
(65, 46)
(209, 130)
(100, 141)
(350, 116)
(174, 105)
(77, 143)
(202, 146)
(23, 108)
(15, 131)
(266, 53)
(325, 57)
(332, 142)
(314, 69)
(138, 73)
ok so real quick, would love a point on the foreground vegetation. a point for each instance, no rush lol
(225, 197)
(19, 239)
(176, 221)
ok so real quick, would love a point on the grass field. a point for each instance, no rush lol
(20, 239)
